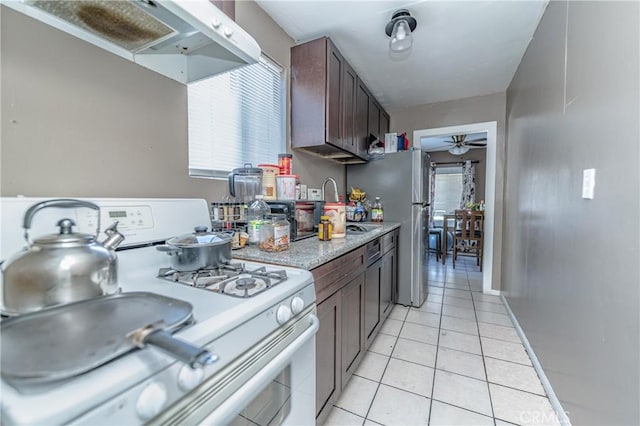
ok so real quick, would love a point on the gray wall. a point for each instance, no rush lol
(477, 109)
(570, 266)
(479, 155)
(79, 121)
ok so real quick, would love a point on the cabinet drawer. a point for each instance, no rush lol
(373, 251)
(331, 276)
(388, 242)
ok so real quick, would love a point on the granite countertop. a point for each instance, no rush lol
(311, 252)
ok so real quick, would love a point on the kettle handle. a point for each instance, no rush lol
(60, 202)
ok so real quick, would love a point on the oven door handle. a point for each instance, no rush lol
(239, 399)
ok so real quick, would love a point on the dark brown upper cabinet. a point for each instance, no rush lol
(361, 123)
(330, 106)
(349, 86)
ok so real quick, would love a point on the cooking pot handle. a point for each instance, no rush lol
(168, 249)
(61, 203)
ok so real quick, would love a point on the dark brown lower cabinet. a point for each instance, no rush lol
(387, 280)
(328, 340)
(372, 301)
(353, 302)
(352, 329)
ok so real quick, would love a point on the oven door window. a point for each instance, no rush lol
(271, 406)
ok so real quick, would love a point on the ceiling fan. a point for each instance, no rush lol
(461, 145)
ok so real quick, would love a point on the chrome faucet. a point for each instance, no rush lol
(335, 188)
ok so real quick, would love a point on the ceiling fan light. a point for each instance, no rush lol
(459, 150)
(401, 37)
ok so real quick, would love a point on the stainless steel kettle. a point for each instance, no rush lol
(60, 268)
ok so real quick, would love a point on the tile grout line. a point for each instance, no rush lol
(435, 361)
(366, 417)
(493, 414)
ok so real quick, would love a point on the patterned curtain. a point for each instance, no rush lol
(468, 184)
(432, 193)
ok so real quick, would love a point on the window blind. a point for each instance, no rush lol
(236, 118)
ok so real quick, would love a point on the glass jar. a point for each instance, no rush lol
(325, 229)
(284, 163)
(274, 234)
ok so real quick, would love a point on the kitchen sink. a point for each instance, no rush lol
(358, 228)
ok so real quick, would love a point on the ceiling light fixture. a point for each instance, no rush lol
(459, 150)
(399, 28)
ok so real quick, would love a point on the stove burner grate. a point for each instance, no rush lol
(232, 279)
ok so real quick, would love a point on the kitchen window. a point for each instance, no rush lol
(447, 193)
(235, 118)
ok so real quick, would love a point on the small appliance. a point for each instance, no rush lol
(304, 216)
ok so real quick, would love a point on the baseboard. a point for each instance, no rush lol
(546, 384)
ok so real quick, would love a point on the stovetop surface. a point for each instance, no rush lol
(233, 279)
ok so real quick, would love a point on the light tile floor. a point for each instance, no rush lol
(456, 360)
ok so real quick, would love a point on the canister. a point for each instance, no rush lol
(286, 187)
(284, 162)
(338, 216)
(269, 173)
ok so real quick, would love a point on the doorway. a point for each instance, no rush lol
(490, 129)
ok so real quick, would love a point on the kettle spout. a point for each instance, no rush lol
(114, 237)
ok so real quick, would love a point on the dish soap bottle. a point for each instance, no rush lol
(377, 214)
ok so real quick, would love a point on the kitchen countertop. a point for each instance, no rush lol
(311, 252)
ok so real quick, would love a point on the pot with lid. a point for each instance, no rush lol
(60, 268)
(245, 183)
(199, 250)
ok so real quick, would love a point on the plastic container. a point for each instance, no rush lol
(274, 234)
(269, 173)
(255, 218)
(286, 187)
(377, 211)
(325, 229)
(337, 214)
(284, 163)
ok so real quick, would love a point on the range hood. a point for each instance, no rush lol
(186, 40)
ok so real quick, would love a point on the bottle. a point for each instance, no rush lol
(377, 214)
(255, 217)
(325, 229)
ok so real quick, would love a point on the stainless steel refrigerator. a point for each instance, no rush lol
(401, 180)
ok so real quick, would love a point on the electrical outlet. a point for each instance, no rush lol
(588, 183)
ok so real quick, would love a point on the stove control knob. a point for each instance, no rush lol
(189, 378)
(297, 305)
(151, 401)
(283, 314)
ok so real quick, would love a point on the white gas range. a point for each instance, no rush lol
(264, 344)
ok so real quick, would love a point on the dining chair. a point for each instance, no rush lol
(468, 236)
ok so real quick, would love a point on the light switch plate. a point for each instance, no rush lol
(588, 183)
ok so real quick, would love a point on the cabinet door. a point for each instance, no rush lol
(328, 340)
(374, 117)
(362, 119)
(384, 123)
(372, 301)
(349, 85)
(352, 326)
(334, 91)
(387, 283)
